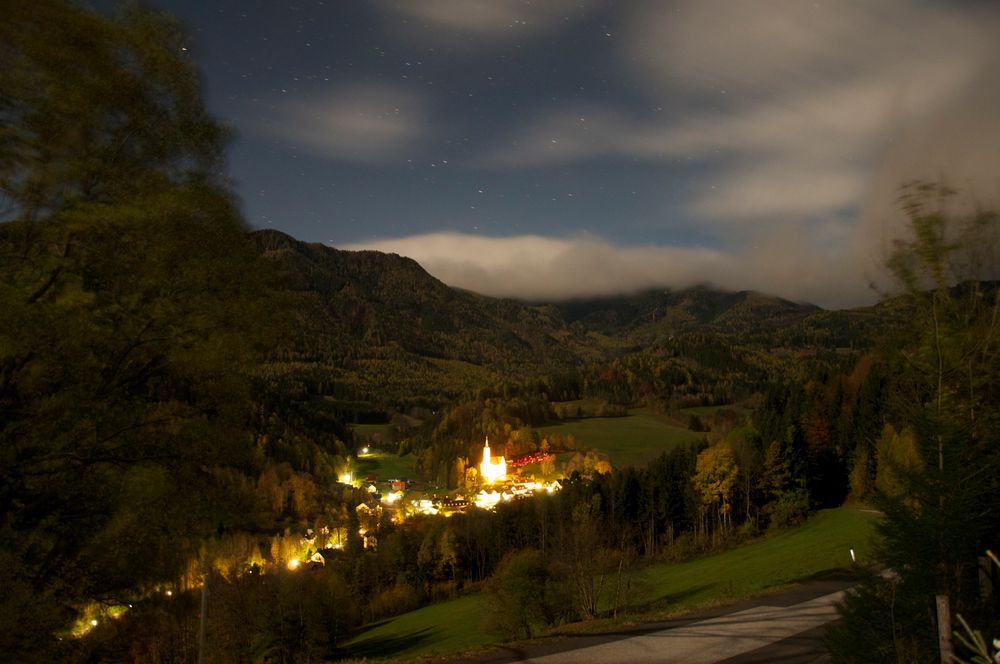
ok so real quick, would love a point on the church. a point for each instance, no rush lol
(492, 470)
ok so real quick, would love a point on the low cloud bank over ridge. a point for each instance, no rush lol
(536, 268)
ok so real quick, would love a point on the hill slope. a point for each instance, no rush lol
(754, 318)
(378, 332)
(678, 311)
(381, 325)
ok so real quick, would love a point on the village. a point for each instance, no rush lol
(398, 499)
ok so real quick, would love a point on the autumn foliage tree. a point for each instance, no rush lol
(715, 480)
(130, 311)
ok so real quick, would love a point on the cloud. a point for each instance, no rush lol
(801, 121)
(801, 117)
(491, 19)
(777, 189)
(371, 123)
(767, 50)
(538, 268)
(959, 146)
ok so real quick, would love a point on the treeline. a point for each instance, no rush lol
(695, 369)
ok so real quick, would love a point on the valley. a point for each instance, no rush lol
(240, 422)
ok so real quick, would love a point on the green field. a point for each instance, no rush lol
(386, 466)
(792, 556)
(710, 411)
(819, 547)
(377, 434)
(446, 627)
(634, 440)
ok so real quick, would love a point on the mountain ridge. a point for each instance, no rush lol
(380, 326)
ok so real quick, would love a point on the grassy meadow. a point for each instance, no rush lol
(634, 440)
(821, 546)
(711, 411)
(453, 626)
(385, 465)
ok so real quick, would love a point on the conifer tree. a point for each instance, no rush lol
(943, 503)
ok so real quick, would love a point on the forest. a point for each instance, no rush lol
(177, 397)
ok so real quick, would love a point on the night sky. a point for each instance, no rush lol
(561, 148)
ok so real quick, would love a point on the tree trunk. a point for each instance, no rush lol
(944, 629)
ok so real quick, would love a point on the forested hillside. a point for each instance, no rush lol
(376, 334)
(752, 318)
(377, 331)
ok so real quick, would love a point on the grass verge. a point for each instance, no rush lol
(446, 627)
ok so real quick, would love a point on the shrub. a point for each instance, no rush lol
(884, 620)
(401, 598)
(528, 595)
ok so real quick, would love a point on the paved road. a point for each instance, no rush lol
(786, 628)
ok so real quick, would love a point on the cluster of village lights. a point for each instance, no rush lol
(492, 470)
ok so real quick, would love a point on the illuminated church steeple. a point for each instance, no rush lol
(492, 471)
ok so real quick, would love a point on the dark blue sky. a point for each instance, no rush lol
(567, 147)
